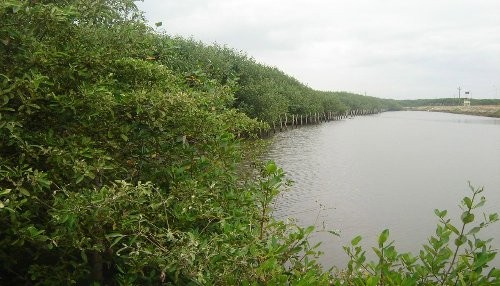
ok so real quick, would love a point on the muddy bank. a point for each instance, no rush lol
(480, 110)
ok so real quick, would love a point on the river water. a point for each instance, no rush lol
(362, 175)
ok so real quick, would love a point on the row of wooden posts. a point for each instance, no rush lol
(291, 120)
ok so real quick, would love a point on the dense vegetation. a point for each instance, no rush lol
(119, 162)
(260, 91)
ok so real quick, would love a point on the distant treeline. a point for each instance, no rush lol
(445, 102)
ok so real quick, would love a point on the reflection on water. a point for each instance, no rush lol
(391, 170)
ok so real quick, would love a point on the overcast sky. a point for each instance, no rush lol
(386, 48)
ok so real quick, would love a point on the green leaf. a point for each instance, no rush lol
(124, 137)
(440, 214)
(309, 229)
(24, 192)
(474, 230)
(114, 235)
(5, 99)
(356, 240)
(117, 236)
(460, 240)
(4, 192)
(467, 217)
(79, 179)
(452, 228)
(493, 217)
(468, 202)
(383, 237)
(377, 252)
(335, 232)
(1, 205)
(429, 250)
(271, 168)
(372, 281)
(44, 182)
(481, 203)
(117, 239)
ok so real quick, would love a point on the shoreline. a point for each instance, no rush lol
(478, 110)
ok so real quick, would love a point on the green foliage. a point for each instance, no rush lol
(86, 119)
(120, 160)
(261, 91)
(454, 256)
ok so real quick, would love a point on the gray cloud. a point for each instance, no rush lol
(387, 48)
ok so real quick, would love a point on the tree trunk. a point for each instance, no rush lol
(97, 264)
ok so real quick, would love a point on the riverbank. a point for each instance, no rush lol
(479, 110)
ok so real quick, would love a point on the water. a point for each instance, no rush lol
(391, 170)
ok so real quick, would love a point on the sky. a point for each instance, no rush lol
(384, 48)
